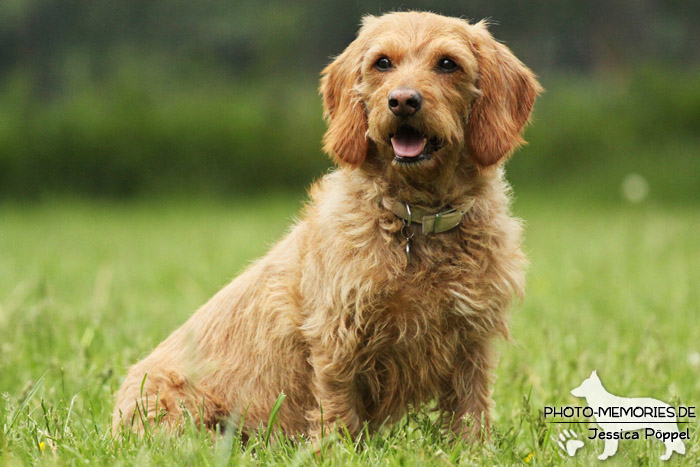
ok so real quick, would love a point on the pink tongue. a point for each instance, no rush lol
(408, 145)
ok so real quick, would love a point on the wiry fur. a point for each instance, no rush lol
(334, 315)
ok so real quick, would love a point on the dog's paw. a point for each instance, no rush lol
(568, 443)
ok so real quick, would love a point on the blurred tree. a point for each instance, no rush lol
(124, 97)
(52, 39)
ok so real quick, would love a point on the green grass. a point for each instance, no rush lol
(88, 288)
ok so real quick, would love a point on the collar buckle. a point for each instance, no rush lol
(431, 223)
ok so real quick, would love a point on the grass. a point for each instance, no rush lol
(88, 288)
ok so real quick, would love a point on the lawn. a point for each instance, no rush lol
(87, 288)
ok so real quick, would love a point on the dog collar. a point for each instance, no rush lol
(431, 222)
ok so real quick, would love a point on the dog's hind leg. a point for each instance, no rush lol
(673, 446)
(148, 400)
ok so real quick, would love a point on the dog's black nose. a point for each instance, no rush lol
(405, 101)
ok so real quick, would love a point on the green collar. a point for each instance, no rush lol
(431, 222)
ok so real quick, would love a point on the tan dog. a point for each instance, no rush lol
(365, 310)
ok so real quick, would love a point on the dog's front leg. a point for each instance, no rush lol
(609, 449)
(466, 398)
(335, 392)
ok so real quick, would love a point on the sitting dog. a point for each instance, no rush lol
(389, 291)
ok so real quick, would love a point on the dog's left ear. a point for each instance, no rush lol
(345, 139)
(506, 94)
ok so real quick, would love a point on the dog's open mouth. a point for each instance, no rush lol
(412, 146)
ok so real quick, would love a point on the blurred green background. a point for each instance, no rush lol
(138, 99)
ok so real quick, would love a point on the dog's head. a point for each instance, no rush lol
(588, 386)
(428, 92)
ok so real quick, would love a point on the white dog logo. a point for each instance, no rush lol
(618, 415)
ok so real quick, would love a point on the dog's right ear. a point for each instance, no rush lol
(346, 137)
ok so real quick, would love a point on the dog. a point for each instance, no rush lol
(390, 290)
(606, 407)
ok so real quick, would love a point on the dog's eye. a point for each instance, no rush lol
(446, 65)
(383, 64)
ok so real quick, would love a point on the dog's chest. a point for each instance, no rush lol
(411, 342)
(423, 306)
